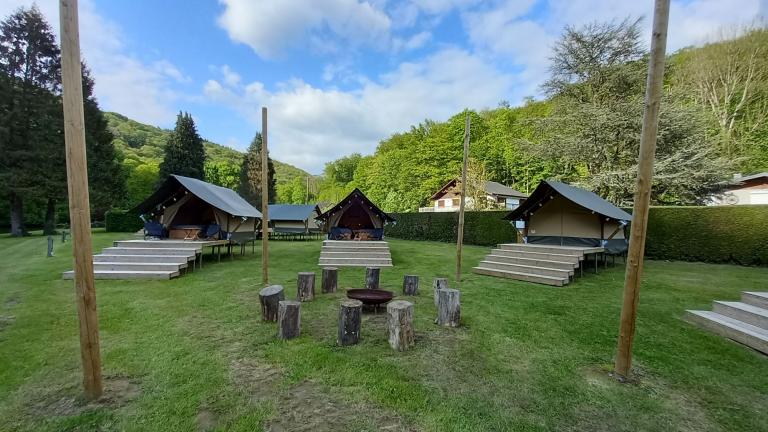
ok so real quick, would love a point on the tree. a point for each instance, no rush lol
(30, 63)
(222, 173)
(141, 182)
(250, 175)
(184, 151)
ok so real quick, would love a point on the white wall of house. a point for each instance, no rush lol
(742, 197)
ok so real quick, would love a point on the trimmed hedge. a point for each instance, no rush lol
(122, 221)
(484, 228)
(722, 234)
(726, 234)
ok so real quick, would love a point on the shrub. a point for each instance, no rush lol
(484, 228)
(122, 221)
(720, 234)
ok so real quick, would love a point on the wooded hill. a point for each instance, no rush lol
(713, 124)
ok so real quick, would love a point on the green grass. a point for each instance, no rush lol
(192, 353)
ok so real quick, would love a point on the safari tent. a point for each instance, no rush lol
(560, 214)
(354, 218)
(294, 218)
(188, 208)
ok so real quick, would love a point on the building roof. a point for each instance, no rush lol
(491, 188)
(293, 212)
(582, 197)
(737, 181)
(222, 198)
(356, 195)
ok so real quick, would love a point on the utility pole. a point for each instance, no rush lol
(79, 207)
(264, 200)
(460, 231)
(634, 271)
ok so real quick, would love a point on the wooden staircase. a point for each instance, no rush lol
(745, 321)
(544, 264)
(350, 253)
(144, 259)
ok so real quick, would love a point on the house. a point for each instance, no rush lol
(751, 189)
(188, 208)
(354, 218)
(294, 218)
(447, 199)
(564, 215)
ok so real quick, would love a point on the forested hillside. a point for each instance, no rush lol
(713, 124)
(142, 147)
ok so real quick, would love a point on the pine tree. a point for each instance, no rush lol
(33, 139)
(184, 151)
(106, 177)
(250, 175)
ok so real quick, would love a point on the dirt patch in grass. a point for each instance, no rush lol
(306, 406)
(67, 401)
(258, 379)
(6, 321)
(206, 420)
(12, 301)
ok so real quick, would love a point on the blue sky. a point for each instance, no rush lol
(339, 75)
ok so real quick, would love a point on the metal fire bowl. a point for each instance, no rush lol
(370, 296)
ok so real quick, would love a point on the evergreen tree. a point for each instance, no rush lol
(250, 175)
(106, 177)
(32, 136)
(184, 151)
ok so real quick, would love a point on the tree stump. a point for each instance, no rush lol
(288, 319)
(270, 298)
(411, 285)
(448, 307)
(400, 324)
(306, 286)
(350, 316)
(372, 277)
(330, 279)
(438, 284)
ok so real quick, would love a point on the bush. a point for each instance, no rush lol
(122, 221)
(484, 228)
(726, 234)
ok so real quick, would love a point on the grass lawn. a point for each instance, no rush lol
(192, 353)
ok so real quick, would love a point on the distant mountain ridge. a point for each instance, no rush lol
(140, 144)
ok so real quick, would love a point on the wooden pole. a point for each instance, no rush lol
(650, 129)
(460, 231)
(79, 207)
(264, 200)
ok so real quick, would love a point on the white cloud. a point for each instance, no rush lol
(123, 83)
(309, 125)
(270, 27)
(231, 78)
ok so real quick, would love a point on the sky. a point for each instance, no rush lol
(338, 76)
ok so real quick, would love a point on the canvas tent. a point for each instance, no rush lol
(293, 218)
(354, 218)
(183, 202)
(560, 214)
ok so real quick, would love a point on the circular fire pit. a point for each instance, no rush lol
(371, 297)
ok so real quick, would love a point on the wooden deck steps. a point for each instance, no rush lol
(544, 264)
(340, 253)
(140, 259)
(745, 321)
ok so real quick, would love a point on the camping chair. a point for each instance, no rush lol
(212, 232)
(154, 229)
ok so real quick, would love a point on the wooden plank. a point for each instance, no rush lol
(648, 137)
(264, 200)
(79, 209)
(460, 233)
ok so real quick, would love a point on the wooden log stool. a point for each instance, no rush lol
(438, 284)
(306, 286)
(330, 280)
(350, 317)
(400, 324)
(270, 298)
(448, 307)
(372, 277)
(411, 285)
(288, 319)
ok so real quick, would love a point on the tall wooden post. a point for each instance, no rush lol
(264, 200)
(460, 230)
(79, 208)
(634, 269)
